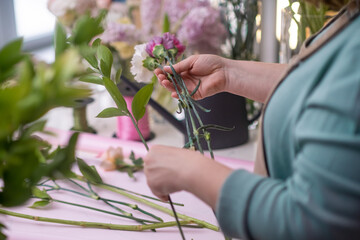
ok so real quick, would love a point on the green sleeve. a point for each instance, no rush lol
(321, 199)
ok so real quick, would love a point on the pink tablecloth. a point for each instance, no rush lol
(89, 147)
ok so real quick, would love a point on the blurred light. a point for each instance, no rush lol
(281, 4)
(258, 20)
(258, 36)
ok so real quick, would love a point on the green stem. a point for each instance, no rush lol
(103, 211)
(141, 195)
(105, 200)
(155, 206)
(138, 131)
(94, 224)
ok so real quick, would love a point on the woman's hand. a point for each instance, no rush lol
(170, 169)
(253, 80)
(210, 69)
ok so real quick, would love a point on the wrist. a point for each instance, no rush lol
(233, 76)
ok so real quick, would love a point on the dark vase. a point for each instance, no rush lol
(227, 110)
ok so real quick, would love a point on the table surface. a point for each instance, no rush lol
(89, 148)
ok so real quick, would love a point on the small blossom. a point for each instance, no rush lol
(141, 74)
(110, 158)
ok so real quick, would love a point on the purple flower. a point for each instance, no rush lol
(151, 45)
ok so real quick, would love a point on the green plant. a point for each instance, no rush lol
(27, 92)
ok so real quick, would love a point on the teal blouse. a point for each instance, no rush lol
(312, 147)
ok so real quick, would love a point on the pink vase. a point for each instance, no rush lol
(125, 128)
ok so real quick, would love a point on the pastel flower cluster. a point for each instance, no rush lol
(149, 55)
(202, 30)
(195, 22)
(121, 32)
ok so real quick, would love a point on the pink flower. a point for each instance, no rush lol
(151, 45)
(168, 40)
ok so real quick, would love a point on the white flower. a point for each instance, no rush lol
(60, 8)
(141, 74)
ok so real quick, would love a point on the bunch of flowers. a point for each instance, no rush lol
(166, 50)
(149, 56)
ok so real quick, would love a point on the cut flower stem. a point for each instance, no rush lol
(94, 224)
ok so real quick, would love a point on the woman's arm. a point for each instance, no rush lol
(253, 80)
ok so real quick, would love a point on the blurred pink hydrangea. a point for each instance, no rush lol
(121, 32)
(177, 9)
(195, 22)
(150, 11)
(202, 30)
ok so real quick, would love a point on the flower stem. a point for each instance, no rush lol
(94, 224)
(138, 131)
(154, 205)
(139, 194)
(103, 211)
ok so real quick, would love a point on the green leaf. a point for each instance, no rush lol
(89, 54)
(118, 75)
(88, 172)
(60, 44)
(41, 203)
(111, 112)
(140, 101)
(105, 69)
(36, 192)
(106, 60)
(85, 29)
(166, 24)
(35, 127)
(96, 43)
(136, 161)
(115, 94)
(92, 79)
(10, 55)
